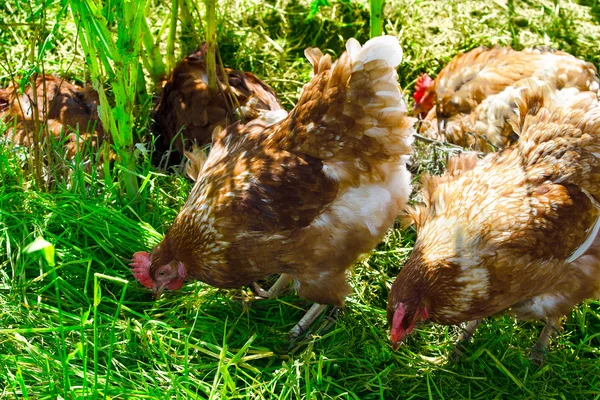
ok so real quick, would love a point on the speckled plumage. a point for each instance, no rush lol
(476, 93)
(308, 194)
(70, 110)
(505, 233)
(187, 112)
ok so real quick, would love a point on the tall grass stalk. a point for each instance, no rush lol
(190, 39)
(117, 62)
(376, 17)
(172, 35)
(151, 56)
(211, 43)
(37, 133)
(38, 43)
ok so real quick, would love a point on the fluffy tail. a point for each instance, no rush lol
(560, 137)
(351, 114)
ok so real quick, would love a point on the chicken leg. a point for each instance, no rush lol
(279, 286)
(468, 331)
(464, 337)
(311, 315)
(539, 350)
(307, 320)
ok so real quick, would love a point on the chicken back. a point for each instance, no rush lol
(515, 231)
(187, 112)
(474, 96)
(69, 110)
(303, 196)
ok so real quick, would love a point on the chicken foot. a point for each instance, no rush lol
(539, 350)
(279, 286)
(468, 331)
(464, 337)
(311, 315)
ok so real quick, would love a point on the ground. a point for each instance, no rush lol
(75, 323)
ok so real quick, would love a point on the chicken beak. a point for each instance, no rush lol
(158, 292)
(396, 345)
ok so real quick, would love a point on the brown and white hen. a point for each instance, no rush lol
(515, 231)
(471, 100)
(305, 196)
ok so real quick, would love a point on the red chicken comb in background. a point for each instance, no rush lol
(423, 82)
(141, 268)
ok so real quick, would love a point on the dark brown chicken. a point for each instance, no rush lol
(304, 196)
(473, 97)
(514, 232)
(70, 111)
(187, 112)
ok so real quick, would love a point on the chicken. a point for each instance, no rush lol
(474, 96)
(187, 112)
(70, 111)
(514, 232)
(305, 196)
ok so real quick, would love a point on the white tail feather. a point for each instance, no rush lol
(384, 48)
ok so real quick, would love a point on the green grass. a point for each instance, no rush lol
(84, 327)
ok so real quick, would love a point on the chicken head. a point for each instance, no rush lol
(402, 319)
(169, 276)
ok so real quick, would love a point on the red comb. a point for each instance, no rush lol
(423, 83)
(141, 268)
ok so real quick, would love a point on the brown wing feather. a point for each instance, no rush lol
(248, 86)
(268, 189)
(287, 192)
(351, 113)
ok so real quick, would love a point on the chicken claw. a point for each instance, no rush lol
(464, 337)
(279, 286)
(307, 320)
(468, 331)
(540, 349)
